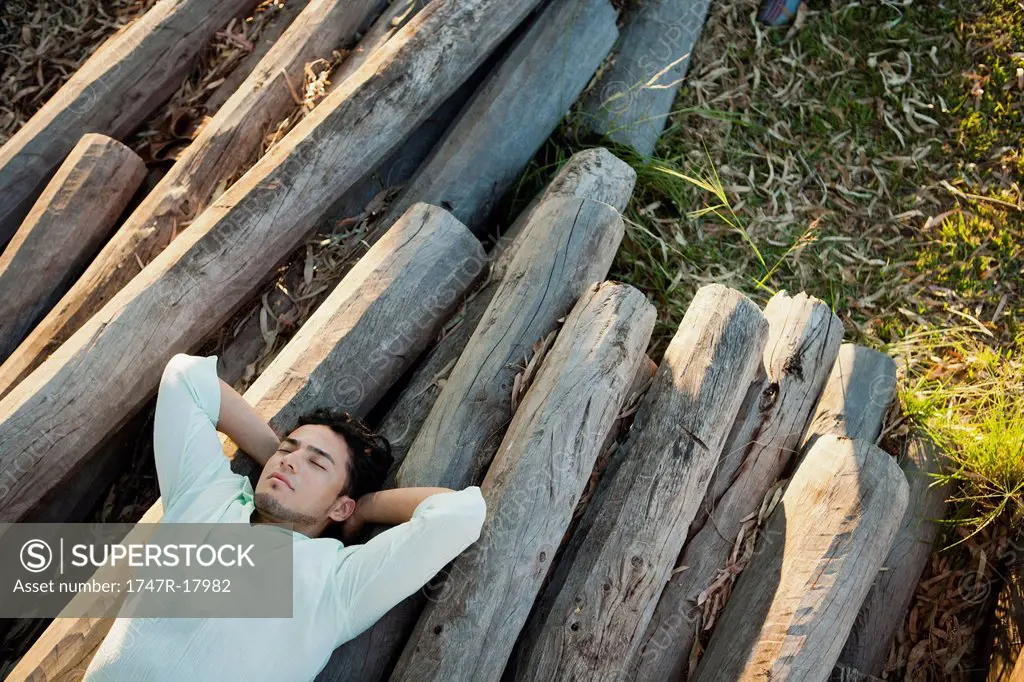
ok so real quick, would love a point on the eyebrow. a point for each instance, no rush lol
(296, 442)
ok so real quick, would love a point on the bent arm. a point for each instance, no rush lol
(372, 578)
(393, 506)
(192, 404)
(240, 422)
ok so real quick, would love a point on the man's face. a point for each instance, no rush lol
(301, 481)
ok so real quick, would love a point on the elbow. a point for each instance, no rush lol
(471, 521)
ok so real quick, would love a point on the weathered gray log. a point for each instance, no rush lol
(550, 446)
(591, 174)
(224, 147)
(65, 228)
(195, 284)
(794, 605)
(570, 243)
(124, 81)
(513, 112)
(377, 319)
(632, 100)
(283, 17)
(857, 395)
(392, 19)
(886, 605)
(246, 345)
(607, 583)
(842, 673)
(803, 341)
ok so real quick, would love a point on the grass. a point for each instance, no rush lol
(871, 158)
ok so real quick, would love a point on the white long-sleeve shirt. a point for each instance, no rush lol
(338, 591)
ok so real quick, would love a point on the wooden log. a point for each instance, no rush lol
(382, 316)
(631, 102)
(795, 604)
(283, 17)
(195, 284)
(551, 445)
(803, 341)
(857, 395)
(886, 605)
(116, 88)
(377, 319)
(392, 19)
(608, 581)
(65, 228)
(591, 174)
(842, 673)
(1004, 638)
(224, 147)
(513, 112)
(570, 243)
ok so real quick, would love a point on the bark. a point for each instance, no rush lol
(821, 548)
(569, 244)
(225, 147)
(606, 585)
(632, 100)
(424, 253)
(803, 341)
(199, 281)
(63, 231)
(532, 486)
(112, 93)
(513, 112)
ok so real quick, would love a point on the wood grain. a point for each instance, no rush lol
(858, 393)
(632, 100)
(570, 243)
(886, 605)
(113, 92)
(378, 318)
(606, 585)
(224, 148)
(513, 112)
(63, 231)
(532, 487)
(794, 605)
(592, 174)
(57, 416)
(803, 340)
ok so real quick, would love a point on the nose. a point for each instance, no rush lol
(289, 462)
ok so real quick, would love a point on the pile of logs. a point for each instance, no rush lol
(722, 514)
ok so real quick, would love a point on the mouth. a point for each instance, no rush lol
(280, 477)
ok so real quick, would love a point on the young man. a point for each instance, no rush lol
(314, 477)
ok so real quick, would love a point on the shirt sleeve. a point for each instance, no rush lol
(186, 446)
(373, 577)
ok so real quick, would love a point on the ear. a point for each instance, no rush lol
(342, 508)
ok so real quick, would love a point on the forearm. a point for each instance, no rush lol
(395, 505)
(242, 424)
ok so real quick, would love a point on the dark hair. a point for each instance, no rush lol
(371, 452)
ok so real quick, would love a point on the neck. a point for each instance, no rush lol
(307, 530)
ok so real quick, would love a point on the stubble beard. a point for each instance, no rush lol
(271, 507)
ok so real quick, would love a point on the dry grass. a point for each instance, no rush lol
(871, 158)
